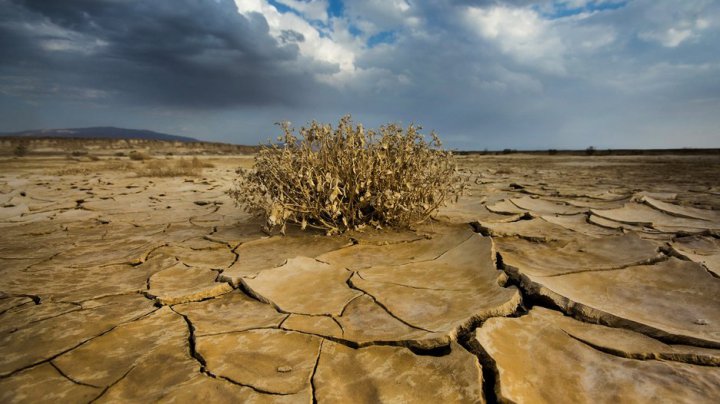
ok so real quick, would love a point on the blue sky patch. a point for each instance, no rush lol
(282, 8)
(354, 30)
(381, 37)
(561, 10)
(335, 8)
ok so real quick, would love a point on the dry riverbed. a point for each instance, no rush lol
(560, 279)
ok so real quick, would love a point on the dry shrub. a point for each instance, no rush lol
(347, 177)
(138, 156)
(172, 168)
(196, 162)
(20, 150)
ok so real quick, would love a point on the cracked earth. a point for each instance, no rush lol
(562, 279)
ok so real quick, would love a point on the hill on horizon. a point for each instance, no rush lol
(100, 132)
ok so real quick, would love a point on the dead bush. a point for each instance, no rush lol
(138, 156)
(172, 168)
(20, 150)
(196, 162)
(347, 177)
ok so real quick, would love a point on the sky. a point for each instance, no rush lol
(483, 74)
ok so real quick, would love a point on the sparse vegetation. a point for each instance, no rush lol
(348, 177)
(20, 150)
(118, 165)
(172, 168)
(138, 155)
(73, 171)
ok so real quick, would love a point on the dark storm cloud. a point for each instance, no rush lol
(483, 73)
(168, 52)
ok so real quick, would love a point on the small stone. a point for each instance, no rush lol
(201, 203)
(701, 321)
(284, 369)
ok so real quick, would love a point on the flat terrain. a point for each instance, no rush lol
(560, 279)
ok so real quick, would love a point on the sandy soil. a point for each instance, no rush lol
(560, 279)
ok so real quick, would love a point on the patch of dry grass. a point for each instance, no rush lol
(118, 165)
(72, 171)
(172, 167)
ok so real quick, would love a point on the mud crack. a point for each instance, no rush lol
(314, 371)
(688, 358)
(352, 286)
(46, 360)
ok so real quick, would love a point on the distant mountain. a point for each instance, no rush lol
(101, 133)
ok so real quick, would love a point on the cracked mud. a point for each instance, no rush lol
(600, 286)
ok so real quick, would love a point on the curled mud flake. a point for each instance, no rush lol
(591, 362)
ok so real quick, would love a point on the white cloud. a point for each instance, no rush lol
(670, 37)
(336, 46)
(672, 24)
(520, 33)
(674, 36)
(373, 16)
(314, 46)
(370, 81)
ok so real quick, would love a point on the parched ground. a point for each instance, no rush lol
(561, 279)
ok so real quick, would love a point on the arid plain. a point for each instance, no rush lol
(560, 279)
